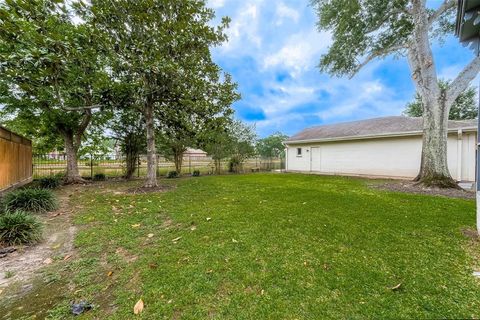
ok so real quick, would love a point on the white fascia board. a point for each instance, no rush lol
(374, 136)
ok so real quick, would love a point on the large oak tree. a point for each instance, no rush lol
(51, 73)
(368, 29)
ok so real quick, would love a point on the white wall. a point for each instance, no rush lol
(391, 157)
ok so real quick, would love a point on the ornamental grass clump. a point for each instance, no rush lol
(29, 200)
(19, 227)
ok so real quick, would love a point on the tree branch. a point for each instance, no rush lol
(462, 81)
(376, 54)
(446, 5)
(82, 108)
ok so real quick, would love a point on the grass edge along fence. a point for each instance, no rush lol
(113, 165)
(15, 160)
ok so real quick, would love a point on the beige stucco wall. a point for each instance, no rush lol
(396, 157)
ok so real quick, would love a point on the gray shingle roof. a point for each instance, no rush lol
(385, 126)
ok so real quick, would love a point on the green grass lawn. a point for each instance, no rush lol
(272, 246)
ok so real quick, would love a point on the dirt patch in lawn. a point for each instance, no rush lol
(21, 269)
(412, 187)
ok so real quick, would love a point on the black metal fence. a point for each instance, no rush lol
(113, 165)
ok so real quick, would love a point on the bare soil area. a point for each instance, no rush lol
(23, 264)
(412, 187)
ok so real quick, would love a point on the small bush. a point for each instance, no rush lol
(196, 173)
(19, 227)
(99, 177)
(172, 174)
(49, 182)
(30, 200)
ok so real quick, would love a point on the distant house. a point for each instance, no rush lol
(194, 153)
(380, 147)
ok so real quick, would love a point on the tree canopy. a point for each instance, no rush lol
(271, 146)
(369, 29)
(465, 106)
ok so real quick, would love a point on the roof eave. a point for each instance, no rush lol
(373, 136)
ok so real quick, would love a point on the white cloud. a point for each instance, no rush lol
(366, 98)
(244, 27)
(300, 52)
(284, 12)
(216, 3)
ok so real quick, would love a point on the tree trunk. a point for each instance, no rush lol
(178, 158)
(131, 164)
(151, 181)
(218, 165)
(434, 167)
(73, 175)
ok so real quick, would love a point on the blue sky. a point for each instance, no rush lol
(273, 53)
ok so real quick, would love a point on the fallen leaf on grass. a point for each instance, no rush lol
(68, 256)
(193, 228)
(153, 265)
(150, 235)
(176, 239)
(1, 291)
(109, 274)
(47, 261)
(234, 241)
(138, 308)
(208, 219)
(136, 225)
(396, 287)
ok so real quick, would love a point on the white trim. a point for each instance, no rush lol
(373, 136)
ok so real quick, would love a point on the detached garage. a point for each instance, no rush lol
(382, 147)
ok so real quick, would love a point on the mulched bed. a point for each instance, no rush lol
(412, 187)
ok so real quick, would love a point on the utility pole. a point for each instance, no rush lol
(467, 29)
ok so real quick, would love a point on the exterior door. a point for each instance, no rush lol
(315, 159)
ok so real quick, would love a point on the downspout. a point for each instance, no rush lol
(459, 154)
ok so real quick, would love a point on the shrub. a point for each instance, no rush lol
(30, 200)
(19, 227)
(99, 177)
(196, 173)
(172, 174)
(49, 182)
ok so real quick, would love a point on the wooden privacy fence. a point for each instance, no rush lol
(15, 159)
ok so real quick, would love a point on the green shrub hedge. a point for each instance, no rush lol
(172, 174)
(30, 200)
(99, 177)
(49, 182)
(19, 227)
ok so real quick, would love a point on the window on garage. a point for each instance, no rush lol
(299, 152)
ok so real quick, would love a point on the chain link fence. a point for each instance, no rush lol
(113, 165)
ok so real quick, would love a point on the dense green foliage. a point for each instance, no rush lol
(19, 227)
(287, 246)
(172, 174)
(272, 146)
(53, 75)
(196, 173)
(465, 106)
(233, 140)
(161, 50)
(29, 200)
(49, 182)
(99, 177)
